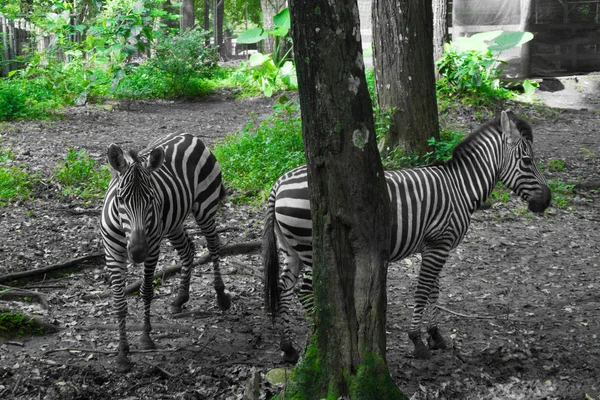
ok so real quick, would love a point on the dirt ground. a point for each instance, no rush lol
(521, 294)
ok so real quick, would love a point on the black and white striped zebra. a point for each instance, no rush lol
(432, 209)
(148, 199)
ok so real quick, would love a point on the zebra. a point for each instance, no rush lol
(148, 198)
(432, 208)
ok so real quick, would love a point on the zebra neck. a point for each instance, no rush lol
(475, 174)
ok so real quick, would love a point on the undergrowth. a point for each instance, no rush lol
(82, 176)
(15, 182)
(254, 158)
(17, 325)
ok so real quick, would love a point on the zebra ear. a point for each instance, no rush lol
(509, 129)
(156, 159)
(116, 159)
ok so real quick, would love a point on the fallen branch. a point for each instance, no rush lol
(163, 274)
(475, 316)
(135, 327)
(52, 268)
(8, 292)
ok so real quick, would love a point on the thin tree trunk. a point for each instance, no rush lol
(526, 20)
(188, 17)
(349, 205)
(405, 77)
(440, 29)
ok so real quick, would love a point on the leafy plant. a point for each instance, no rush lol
(271, 71)
(254, 158)
(471, 64)
(13, 102)
(561, 193)
(82, 176)
(183, 56)
(556, 164)
(15, 182)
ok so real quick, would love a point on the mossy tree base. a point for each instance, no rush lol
(311, 380)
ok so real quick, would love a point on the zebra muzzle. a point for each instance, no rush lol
(541, 201)
(138, 250)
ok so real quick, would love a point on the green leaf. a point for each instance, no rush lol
(253, 35)
(487, 36)
(279, 31)
(258, 59)
(469, 44)
(508, 40)
(282, 19)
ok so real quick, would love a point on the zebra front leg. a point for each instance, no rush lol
(435, 340)
(147, 293)
(185, 248)
(433, 261)
(117, 279)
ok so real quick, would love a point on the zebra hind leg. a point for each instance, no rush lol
(214, 248)
(435, 340)
(287, 282)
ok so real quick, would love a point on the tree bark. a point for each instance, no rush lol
(405, 77)
(350, 208)
(188, 17)
(440, 30)
(270, 8)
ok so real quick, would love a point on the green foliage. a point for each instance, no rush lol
(15, 182)
(442, 151)
(556, 164)
(13, 102)
(469, 65)
(500, 194)
(271, 72)
(561, 193)
(82, 176)
(17, 325)
(254, 158)
(181, 57)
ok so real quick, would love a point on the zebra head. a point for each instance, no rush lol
(520, 172)
(136, 197)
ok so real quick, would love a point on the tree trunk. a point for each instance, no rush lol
(526, 22)
(188, 16)
(270, 8)
(206, 21)
(440, 30)
(349, 205)
(405, 76)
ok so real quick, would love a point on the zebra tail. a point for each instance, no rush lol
(271, 259)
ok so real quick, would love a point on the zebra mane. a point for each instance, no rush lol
(492, 126)
(135, 157)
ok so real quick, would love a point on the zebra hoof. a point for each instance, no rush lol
(224, 301)
(435, 340)
(421, 352)
(146, 342)
(290, 354)
(123, 363)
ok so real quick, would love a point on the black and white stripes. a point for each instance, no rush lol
(432, 209)
(148, 199)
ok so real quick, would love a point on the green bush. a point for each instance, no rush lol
(82, 176)
(183, 57)
(13, 102)
(254, 158)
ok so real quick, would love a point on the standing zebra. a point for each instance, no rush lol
(148, 199)
(432, 209)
